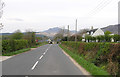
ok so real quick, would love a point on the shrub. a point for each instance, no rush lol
(104, 55)
(13, 45)
(116, 37)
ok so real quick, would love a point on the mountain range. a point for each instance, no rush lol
(115, 29)
(52, 31)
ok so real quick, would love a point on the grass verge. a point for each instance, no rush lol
(22, 50)
(16, 52)
(90, 67)
(44, 43)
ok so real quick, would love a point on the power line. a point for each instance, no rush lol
(100, 6)
(97, 6)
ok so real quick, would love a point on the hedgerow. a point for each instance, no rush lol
(104, 55)
(13, 45)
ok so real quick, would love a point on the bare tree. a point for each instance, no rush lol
(2, 4)
(1, 12)
(63, 32)
(82, 31)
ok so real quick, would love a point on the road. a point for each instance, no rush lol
(45, 60)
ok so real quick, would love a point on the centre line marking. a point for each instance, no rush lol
(34, 65)
(41, 57)
(44, 53)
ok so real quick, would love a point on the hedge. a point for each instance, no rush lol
(104, 55)
(13, 45)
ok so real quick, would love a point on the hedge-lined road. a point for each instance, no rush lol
(45, 60)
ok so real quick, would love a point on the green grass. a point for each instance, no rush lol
(22, 50)
(90, 67)
(16, 52)
(39, 45)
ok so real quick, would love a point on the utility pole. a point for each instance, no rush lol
(63, 30)
(68, 34)
(76, 31)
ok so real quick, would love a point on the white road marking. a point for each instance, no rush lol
(46, 49)
(44, 53)
(41, 57)
(34, 65)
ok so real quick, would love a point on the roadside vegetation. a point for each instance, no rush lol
(15, 52)
(96, 58)
(90, 67)
(82, 35)
(102, 38)
(20, 42)
(99, 53)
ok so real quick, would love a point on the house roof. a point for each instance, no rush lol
(114, 29)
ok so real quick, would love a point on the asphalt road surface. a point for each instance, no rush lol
(45, 60)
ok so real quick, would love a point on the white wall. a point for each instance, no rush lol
(98, 32)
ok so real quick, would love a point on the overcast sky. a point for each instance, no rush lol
(40, 15)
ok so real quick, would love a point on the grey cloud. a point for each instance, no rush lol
(15, 19)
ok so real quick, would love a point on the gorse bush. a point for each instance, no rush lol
(104, 55)
(13, 45)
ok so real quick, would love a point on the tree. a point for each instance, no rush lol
(107, 32)
(72, 38)
(2, 4)
(100, 38)
(17, 35)
(88, 38)
(33, 38)
(64, 38)
(94, 39)
(79, 38)
(30, 36)
(1, 12)
(83, 31)
(59, 35)
(116, 37)
(107, 36)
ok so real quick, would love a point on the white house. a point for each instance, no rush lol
(94, 33)
(98, 32)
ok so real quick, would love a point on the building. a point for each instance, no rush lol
(114, 29)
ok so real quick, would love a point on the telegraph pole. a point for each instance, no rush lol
(76, 31)
(68, 34)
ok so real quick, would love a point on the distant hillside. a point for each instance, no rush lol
(112, 28)
(6, 33)
(53, 30)
(38, 35)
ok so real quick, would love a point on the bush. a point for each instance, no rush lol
(116, 37)
(104, 55)
(13, 45)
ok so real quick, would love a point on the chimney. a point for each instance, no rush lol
(91, 27)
